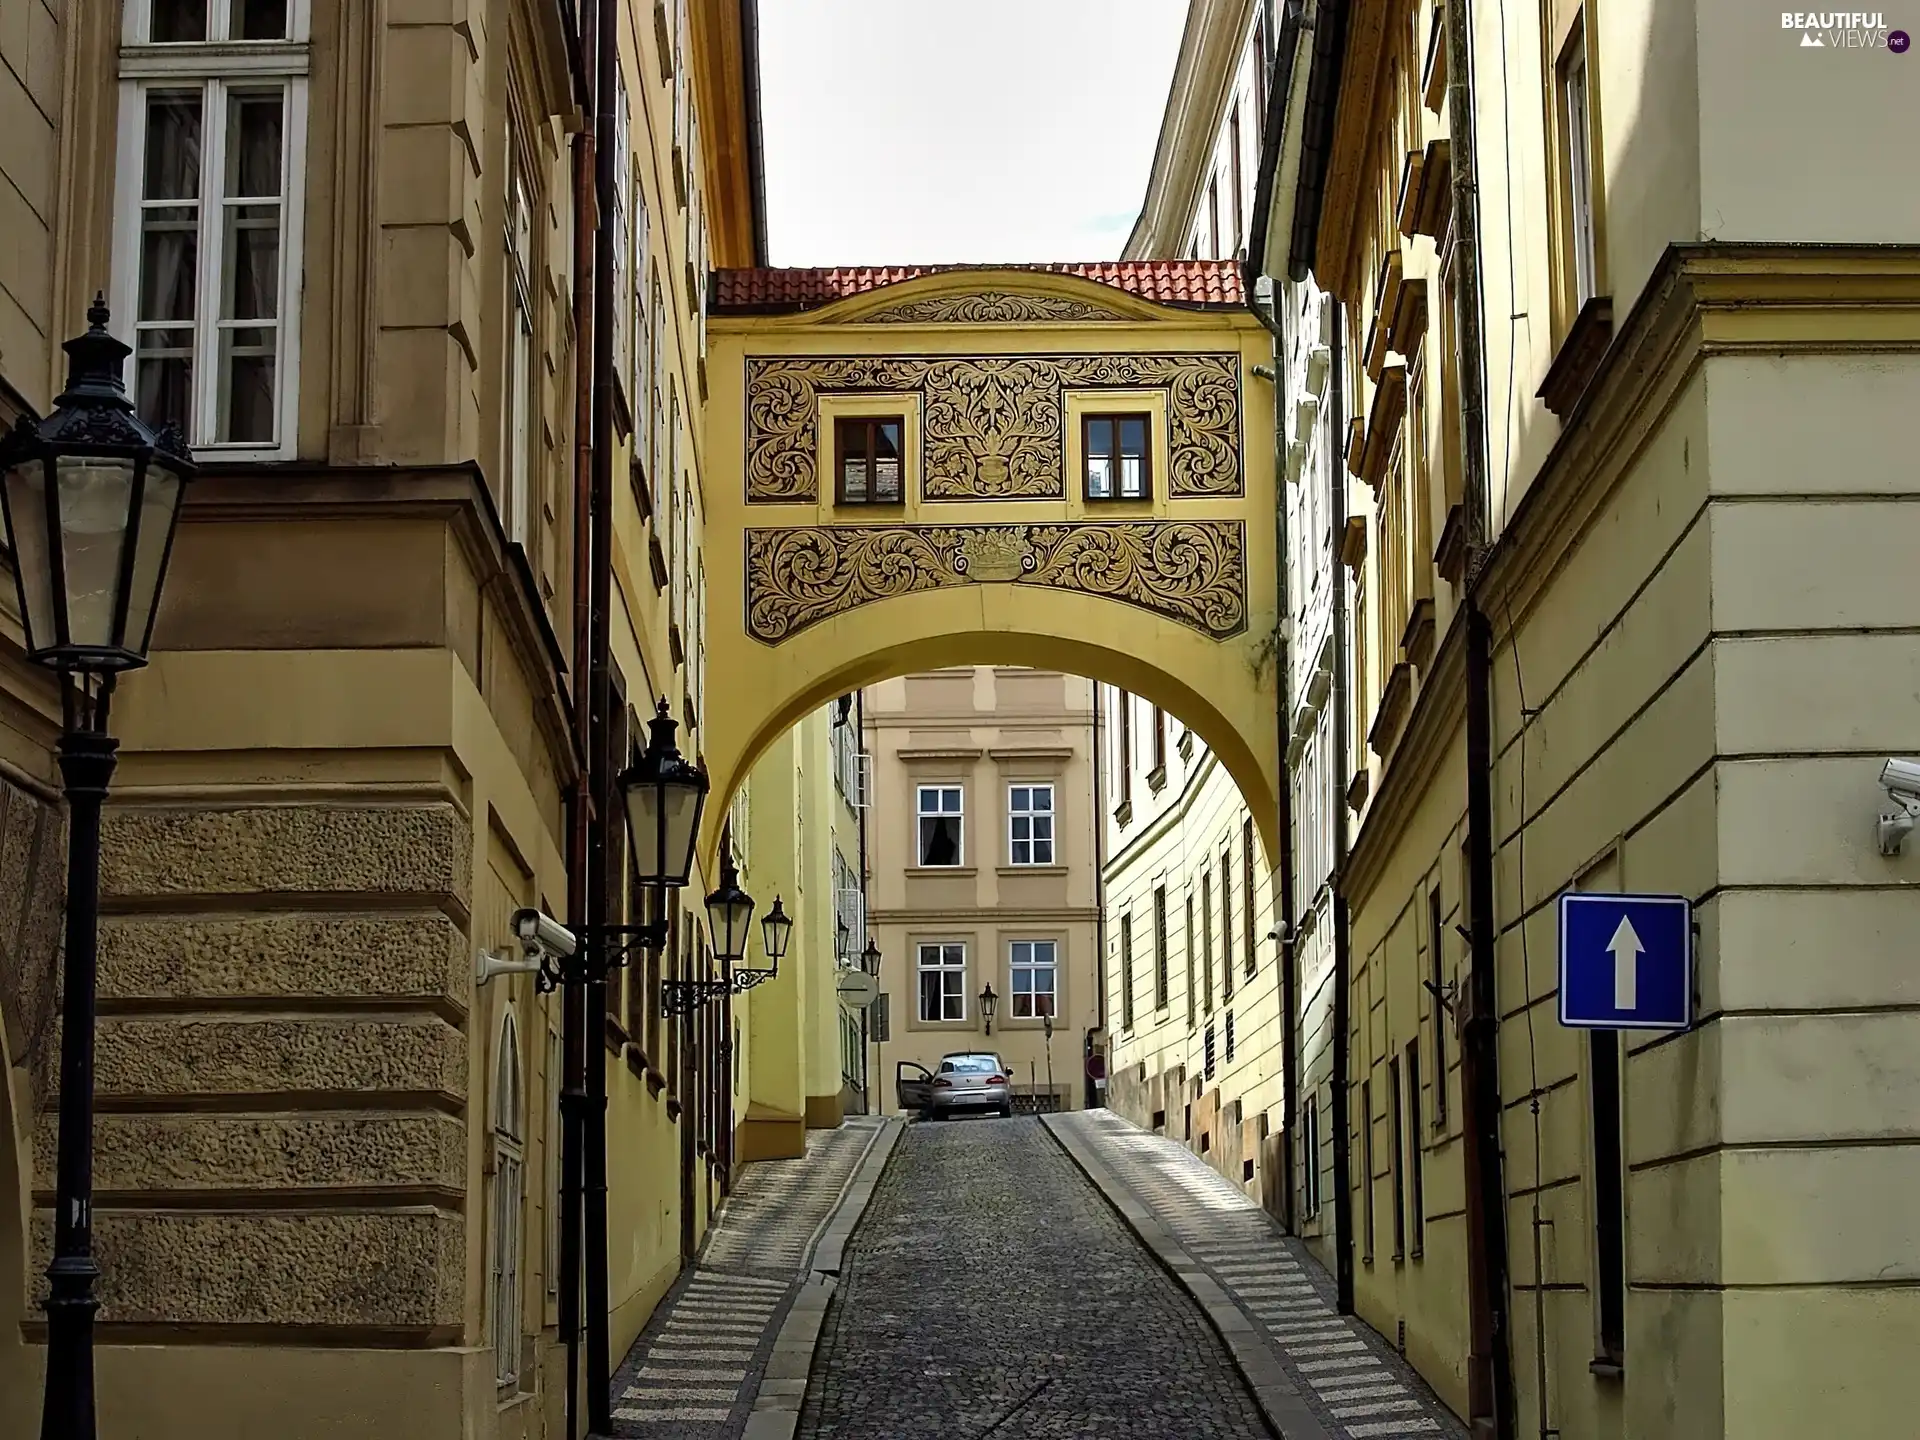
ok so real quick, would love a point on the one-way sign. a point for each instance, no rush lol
(1626, 961)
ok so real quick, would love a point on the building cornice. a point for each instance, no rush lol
(454, 494)
(1169, 817)
(1203, 77)
(1703, 300)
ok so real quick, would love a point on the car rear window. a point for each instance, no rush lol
(969, 1065)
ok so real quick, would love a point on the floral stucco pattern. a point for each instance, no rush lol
(1192, 572)
(988, 307)
(992, 428)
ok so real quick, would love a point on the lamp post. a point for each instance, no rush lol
(1046, 1025)
(664, 795)
(91, 496)
(989, 1002)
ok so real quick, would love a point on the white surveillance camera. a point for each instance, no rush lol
(540, 934)
(1901, 780)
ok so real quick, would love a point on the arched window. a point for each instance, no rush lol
(509, 1186)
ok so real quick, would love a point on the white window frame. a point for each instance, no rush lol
(944, 965)
(1575, 102)
(1025, 955)
(921, 814)
(217, 66)
(518, 416)
(1027, 815)
(508, 1208)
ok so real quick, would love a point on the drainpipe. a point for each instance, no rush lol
(600, 694)
(1338, 707)
(573, 1044)
(1490, 1363)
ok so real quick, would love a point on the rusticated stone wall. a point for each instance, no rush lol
(281, 1070)
(33, 851)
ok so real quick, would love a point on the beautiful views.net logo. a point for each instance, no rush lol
(1844, 30)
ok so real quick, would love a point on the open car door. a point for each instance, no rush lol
(913, 1085)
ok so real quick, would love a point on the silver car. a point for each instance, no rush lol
(966, 1080)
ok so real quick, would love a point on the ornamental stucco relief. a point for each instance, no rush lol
(1192, 572)
(988, 307)
(992, 427)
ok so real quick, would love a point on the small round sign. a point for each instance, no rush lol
(858, 989)
(1096, 1066)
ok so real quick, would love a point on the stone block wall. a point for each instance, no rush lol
(281, 1072)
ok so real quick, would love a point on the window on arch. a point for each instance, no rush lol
(867, 460)
(1115, 457)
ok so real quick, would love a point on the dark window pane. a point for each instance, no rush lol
(939, 840)
(887, 440)
(253, 259)
(173, 146)
(886, 462)
(259, 19)
(253, 146)
(1100, 437)
(853, 460)
(177, 20)
(1133, 436)
(163, 385)
(246, 399)
(169, 260)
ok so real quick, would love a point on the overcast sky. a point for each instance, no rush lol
(928, 131)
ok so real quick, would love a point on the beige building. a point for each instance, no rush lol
(984, 874)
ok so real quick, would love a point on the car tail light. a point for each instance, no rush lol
(996, 1080)
(943, 1084)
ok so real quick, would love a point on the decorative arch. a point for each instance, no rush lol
(1225, 693)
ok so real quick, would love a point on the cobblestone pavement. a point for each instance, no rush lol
(692, 1373)
(1356, 1384)
(991, 1291)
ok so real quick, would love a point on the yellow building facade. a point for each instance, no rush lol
(1694, 597)
(344, 246)
(1193, 973)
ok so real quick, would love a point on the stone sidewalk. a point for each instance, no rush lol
(695, 1370)
(1318, 1375)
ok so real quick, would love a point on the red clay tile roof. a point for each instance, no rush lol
(1192, 283)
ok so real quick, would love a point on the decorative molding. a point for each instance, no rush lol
(992, 427)
(989, 307)
(1192, 572)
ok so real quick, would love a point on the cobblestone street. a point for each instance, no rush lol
(990, 1290)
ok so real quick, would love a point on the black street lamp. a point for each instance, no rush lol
(776, 930)
(91, 495)
(870, 958)
(989, 1002)
(664, 794)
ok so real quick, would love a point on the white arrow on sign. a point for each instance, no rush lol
(1627, 949)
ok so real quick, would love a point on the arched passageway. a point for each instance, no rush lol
(981, 466)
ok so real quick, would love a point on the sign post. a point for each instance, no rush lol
(1626, 962)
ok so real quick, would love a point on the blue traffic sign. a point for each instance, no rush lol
(1626, 961)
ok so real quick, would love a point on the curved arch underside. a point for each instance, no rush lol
(1223, 690)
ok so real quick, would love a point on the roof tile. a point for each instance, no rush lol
(1192, 283)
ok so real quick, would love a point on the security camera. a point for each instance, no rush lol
(540, 934)
(1901, 780)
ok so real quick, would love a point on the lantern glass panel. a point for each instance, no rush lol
(159, 508)
(730, 915)
(776, 929)
(96, 501)
(647, 800)
(32, 560)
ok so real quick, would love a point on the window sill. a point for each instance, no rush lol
(614, 1035)
(1157, 779)
(1142, 503)
(676, 646)
(1186, 744)
(927, 872)
(889, 505)
(1602, 1368)
(673, 1107)
(1030, 870)
(1573, 369)
(659, 558)
(1123, 813)
(642, 496)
